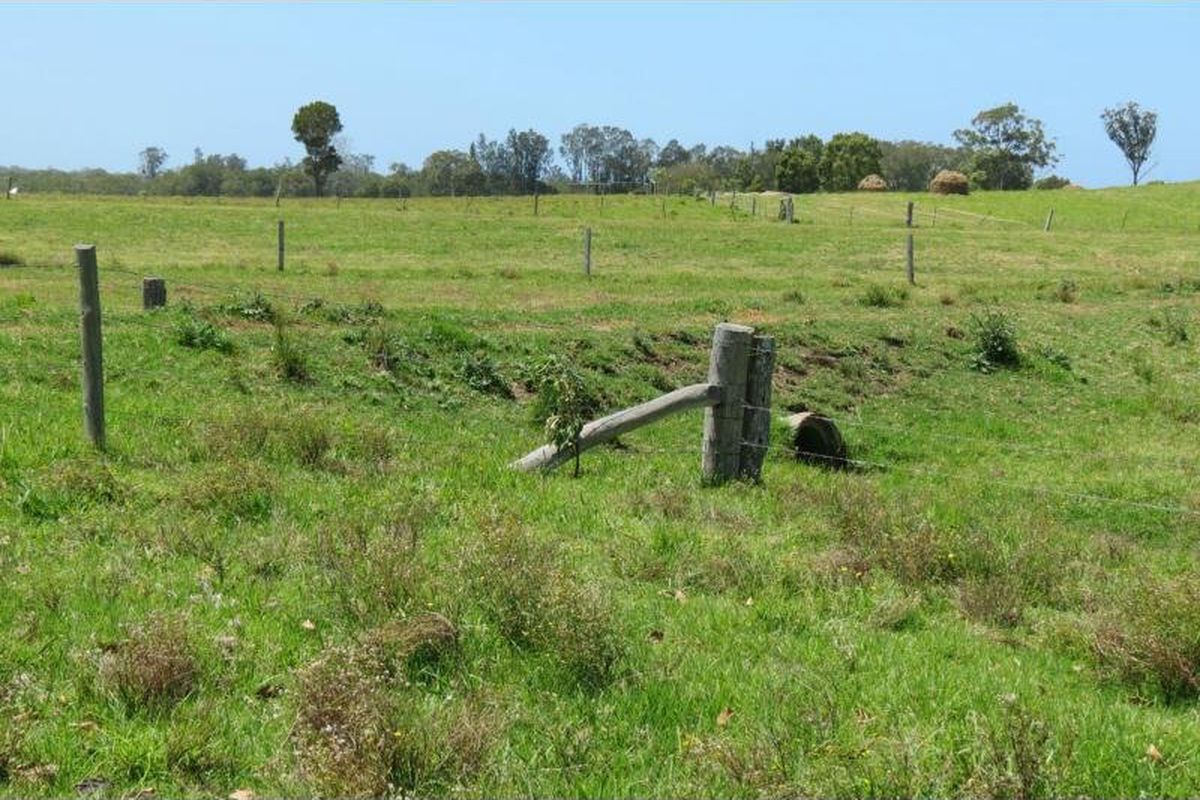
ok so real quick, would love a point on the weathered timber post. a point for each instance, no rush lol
(664, 208)
(89, 334)
(791, 210)
(912, 269)
(1049, 221)
(154, 293)
(756, 416)
(279, 235)
(535, 204)
(587, 252)
(754, 206)
(278, 191)
(8, 193)
(908, 215)
(712, 197)
(722, 442)
(934, 223)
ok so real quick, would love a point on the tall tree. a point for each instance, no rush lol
(847, 159)
(1132, 129)
(1005, 147)
(530, 156)
(798, 169)
(314, 126)
(150, 162)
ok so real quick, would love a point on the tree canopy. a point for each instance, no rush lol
(1004, 147)
(1132, 129)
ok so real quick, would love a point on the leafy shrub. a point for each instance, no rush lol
(478, 371)
(877, 296)
(1052, 182)
(1067, 291)
(564, 402)
(200, 334)
(995, 340)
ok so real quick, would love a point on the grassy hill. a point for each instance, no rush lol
(304, 566)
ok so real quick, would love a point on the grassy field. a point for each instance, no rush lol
(303, 566)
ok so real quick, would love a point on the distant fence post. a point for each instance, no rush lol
(154, 293)
(93, 356)
(791, 210)
(912, 269)
(8, 193)
(756, 417)
(535, 204)
(754, 205)
(280, 237)
(722, 442)
(908, 215)
(1124, 219)
(1049, 221)
(587, 252)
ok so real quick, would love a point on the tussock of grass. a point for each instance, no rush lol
(1149, 637)
(155, 665)
(10, 259)
(525, 590)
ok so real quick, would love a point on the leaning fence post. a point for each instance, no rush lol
(756, 416)
(93, 356)
(280, 237)
(587, 252)
(154, 293)
(1049, 221)
(722, 442)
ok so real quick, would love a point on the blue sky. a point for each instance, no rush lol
(90, 85)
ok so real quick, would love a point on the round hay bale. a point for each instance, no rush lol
(949, 181)
(816, 440)
(873, 183)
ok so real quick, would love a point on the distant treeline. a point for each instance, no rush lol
(593, 159)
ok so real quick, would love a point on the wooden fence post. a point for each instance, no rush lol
(154, 293)
(754, 205)
(791, 210)
(912, 269)
(756, 416)
(280, 237)
(587, 252)
(908, 215)
(722, 442)
(8, 192)
(535, 204)
(93, 355)
(1049, 221)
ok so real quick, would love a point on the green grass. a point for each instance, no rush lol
(306, 467)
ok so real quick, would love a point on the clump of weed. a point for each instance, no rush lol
(794, 296)
(155, 665)
(195, 753)
(1174, 325)
(309, 440)
(1149, 636)
(877, 296)
(1055, 356)
(199, 334)
(1143, 366)
(478, 371)
(358, 733)
(389, 351)
(1020, 757)
(524, 589)
(253, 307)
(10, 259)
(995, 341)
(291, 361)
(1067, 291)
(343, 732)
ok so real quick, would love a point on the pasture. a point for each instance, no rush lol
(304, 567)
